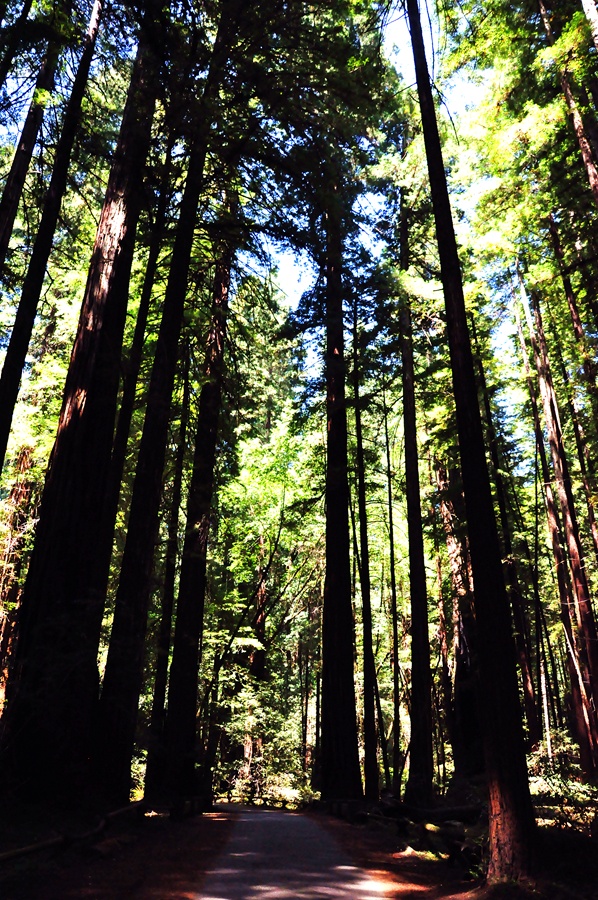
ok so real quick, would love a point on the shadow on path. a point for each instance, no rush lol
(280, 855)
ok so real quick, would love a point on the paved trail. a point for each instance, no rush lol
(286, 856)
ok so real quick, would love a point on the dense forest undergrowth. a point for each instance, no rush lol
(342, 550)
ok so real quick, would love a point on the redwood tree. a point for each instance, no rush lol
(419, 788)
(47, 726)
(510, 808)
(341, 778)
(181, 721)
(124, 667)
(16, 351)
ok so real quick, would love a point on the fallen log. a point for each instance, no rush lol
(437, 815)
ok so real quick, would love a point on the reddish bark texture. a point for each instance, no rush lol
(510, 809)
(47, 728)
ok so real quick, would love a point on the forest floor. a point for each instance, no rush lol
(152, 857)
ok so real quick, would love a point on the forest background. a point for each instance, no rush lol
(262, 550)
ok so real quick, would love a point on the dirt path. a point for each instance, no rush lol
(244, 853)
(281, 855)
(232, 853)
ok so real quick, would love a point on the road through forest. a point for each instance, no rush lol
(283, 855)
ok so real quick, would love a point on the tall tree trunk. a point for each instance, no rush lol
(585, 615)
(15, 182)
(316, 772)
(466, 734)
(511, 816)
(16, 352)
(341, 777)
(257, 660)
(181, 721)
(521, 626)
(584, 721)
(576, 117)
(370, 764)
(123, 675)
(49, 727)
(304, 680)
(154, 773)
(397, 759)
(19, 502)
(589, 365)
(124, 667)
(12, 40)
(131, 368)
(419, 789)
(446, 682)
(382, 737)
(584, 459)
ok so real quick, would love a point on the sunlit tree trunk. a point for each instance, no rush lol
(16, 352)
(123, 677)
(15, 182)
(181, 720)
(257, 660)
(419, 788)
(576, 117)
(584, 719)
(511, 816)
(303, 660)
(49, 726)
(131, 367)
(19, 503)
(397, 759)
(584, 458)
(371, 773)
(583, 604)
(446, 682)
(589, 365)
(521, 625)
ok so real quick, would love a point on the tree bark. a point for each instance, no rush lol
(341, 777)
(584, 459)
(15, 182)
(397, 758)
(589, 366)
(511, 817)
(521, 626)
(16, 352)
(466, 734)
(584, 721)
(154, 773)
(20, 502)
(576, 117)
(371, 773)
(49, 726)
(419, 789)
(131, 368)
(583, 604)
(124, 667)
(181, 721)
